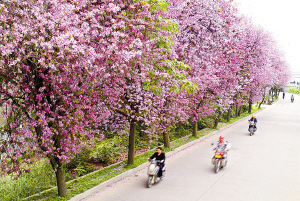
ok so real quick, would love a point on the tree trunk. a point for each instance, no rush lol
(217, 119)
(57, 166)
(261, 102)
(131, 143)
(60, 176)
(272, 94)
(236, 111)
(250, 107)
(166, 140)
(195, 128)
(61, 182)
(228, 114)
(240, 110)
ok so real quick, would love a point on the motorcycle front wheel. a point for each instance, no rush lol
(251, 131)
(217, 166)
(163, 174)
(149, 182)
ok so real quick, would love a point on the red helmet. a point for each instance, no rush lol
(221, 137)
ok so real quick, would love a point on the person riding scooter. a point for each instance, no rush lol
(225, 146)
(254, 120)
(161, 157)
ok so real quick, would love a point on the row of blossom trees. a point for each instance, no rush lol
(71, 69)
(232, 61)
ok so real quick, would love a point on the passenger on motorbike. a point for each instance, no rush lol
(159, 155)
(255, 121)
(222, 145)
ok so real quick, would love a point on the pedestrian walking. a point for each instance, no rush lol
(283, 94)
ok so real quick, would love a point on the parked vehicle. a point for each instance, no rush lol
(252, 127)
(152, 172)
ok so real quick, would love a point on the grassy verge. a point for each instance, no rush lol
(82, 184)
(234, 119)
(39, 179)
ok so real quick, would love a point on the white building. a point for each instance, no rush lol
(294, 82)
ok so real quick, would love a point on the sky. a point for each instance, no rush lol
(282, 19)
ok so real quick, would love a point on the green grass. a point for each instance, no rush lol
(294, 91)
(82, 184)
(234, 119)
(39, 179)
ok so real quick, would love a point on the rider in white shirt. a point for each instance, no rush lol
(224, 146)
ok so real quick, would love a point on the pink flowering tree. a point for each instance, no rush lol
(204, 32)
(229, 57)
(133, 44)
(261, 61)
(63, 64)
(171, 108)
(48, 82)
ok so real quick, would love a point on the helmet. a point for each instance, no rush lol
(253, 116)
(221, 137)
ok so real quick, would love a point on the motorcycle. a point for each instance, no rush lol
(252, 127)
(218, 160)
(292, 100)
(153, 171)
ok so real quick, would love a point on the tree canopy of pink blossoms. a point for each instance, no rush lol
(67, 67)
(47, 82)
(231, 60)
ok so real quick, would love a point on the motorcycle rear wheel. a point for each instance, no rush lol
(217, 166)
(149, 182)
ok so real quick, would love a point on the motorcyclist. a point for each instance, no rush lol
(222, 145)
(159, 155)
(292, 98)
(254, 120)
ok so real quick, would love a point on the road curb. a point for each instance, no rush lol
(107, 183)
(133, 171)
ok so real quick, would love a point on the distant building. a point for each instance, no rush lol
(294, 82)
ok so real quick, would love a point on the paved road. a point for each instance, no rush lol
(262, 167)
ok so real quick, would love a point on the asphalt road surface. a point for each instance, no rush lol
(262, 167)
